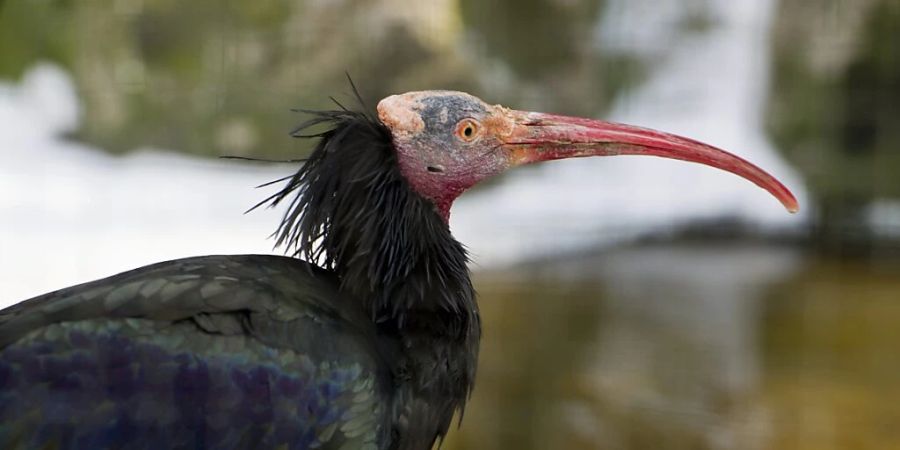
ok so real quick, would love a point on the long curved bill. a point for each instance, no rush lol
(543, 137)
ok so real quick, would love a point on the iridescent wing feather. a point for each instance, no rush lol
(211, 352)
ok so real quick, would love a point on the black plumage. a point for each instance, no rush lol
(366, 337)
(385, 267)
(355, 214)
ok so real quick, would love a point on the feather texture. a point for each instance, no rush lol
(371, 344)
(212, 352)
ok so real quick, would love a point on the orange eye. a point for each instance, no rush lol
(468, 130)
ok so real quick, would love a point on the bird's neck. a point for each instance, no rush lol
(408, 265)
(409, 271)
(356, 214)
(412, 277)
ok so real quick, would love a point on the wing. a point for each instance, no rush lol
(212, 352)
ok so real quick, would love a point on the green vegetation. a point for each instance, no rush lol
(210, 77)
(833, 106)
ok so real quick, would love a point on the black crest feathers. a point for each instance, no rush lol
(353, 212)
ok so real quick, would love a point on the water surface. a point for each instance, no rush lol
(686, 346)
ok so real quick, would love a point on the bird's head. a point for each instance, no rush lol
(448, 141)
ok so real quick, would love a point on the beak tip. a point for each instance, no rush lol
(790, 204)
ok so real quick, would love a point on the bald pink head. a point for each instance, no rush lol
(448, 141)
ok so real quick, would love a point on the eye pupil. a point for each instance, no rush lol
(467, 129)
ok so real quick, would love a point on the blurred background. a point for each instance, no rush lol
(628, 303)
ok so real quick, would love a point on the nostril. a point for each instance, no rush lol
(435, 169)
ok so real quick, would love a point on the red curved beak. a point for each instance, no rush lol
(543, 137)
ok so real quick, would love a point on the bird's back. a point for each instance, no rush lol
(212, 352)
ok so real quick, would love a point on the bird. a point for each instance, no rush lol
(364, 334)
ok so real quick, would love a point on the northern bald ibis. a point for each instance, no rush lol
(364, 337)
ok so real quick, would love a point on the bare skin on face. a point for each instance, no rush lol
(402, 113)
(448, 141)
(399, 114)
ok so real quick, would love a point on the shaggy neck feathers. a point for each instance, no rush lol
(353, 212)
